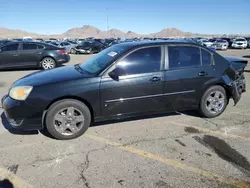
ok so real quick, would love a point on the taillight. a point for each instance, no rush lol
(62, 51)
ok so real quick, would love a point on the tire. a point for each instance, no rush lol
(53, 126)
(48, 63)
(91, 52)
(72, 51)
(205, 103)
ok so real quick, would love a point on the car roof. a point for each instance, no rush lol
(14, 42)
(158, 42)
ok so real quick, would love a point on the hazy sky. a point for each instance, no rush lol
(141, 16)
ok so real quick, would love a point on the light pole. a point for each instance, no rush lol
(107, 23)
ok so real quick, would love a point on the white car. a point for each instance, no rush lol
(220, 44)
(239, 43)
(206, 42)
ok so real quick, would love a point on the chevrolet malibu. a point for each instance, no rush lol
(125, 80)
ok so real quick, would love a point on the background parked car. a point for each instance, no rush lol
(206, 42)
(69, 47)
(31, 55)
(239, 43)
(229, 41)
(88, 47)
(220, 44)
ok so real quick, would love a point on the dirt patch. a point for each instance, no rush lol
(2, 84)
(180, 142)
(225, 152)
(13, 169)
(191, 130)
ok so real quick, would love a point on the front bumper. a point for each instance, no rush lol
(238, 46)
(21, 115)
(83, 51)
(221, 47)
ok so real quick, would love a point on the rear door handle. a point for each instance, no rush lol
(155, 79)
(15, 55)
(202, 73)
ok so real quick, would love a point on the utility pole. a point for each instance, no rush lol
(107, 23)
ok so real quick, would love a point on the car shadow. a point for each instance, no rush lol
(246, 70)
(246, 56)
(20, 69)
(25, 69)
(142, 117)
(44, 132)
(8, 127)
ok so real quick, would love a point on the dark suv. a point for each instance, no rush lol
(89, 47)
(31, 54)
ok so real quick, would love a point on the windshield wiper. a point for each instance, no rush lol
(78, 68)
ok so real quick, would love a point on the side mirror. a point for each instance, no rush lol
(114, 74)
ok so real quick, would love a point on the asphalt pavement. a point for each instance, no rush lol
(166, 151)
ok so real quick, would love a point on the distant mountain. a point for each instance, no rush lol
(171, 32)
(14, 33)
(91, 31)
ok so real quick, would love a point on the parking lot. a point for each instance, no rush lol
(179, 149)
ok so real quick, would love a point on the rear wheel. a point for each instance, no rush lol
(48, 63)
(213, 102)
(67, 119)
(72, 51)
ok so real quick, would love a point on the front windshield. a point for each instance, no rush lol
(240, 40)
(103, 59)
(85, 43)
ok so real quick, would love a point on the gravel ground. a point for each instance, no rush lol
(165, 151)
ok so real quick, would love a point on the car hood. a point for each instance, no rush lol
(60, 74)
(237, 63)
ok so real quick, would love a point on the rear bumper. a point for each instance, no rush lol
(63, 59)
(21, 115)
(237, 88)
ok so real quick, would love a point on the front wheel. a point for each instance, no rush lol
(213, 102)
(67, 119)
(48, 63)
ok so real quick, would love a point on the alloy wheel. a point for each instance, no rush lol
(68, 121)
(215, 102)
(48, 63)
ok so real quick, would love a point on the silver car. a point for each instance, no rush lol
(69, 47)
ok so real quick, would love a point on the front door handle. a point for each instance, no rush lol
(202, 73)
(155, 79)
(15, 55)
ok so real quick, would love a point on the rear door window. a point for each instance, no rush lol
(183, 56)
(40, 47)
(29, 46)
(206, 58)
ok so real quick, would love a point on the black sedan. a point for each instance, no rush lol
(125, 80)
(88, 47)
(31, 55)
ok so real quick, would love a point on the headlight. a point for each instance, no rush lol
(20, 92)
